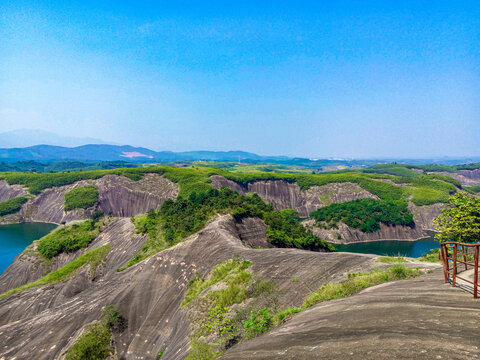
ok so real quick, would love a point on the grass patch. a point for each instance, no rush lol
(81, 198)
(69, 238)
(93, 344)
(284, 315)
(219, 272)
(432, 256)
(392, 259)
(359, 282)
(93, 258)
(12, 206)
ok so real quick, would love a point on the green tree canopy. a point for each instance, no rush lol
(461, 221)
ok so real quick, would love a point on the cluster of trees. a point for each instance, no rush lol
(461, 220)
(81, 198)
(12, 206)
(365, 214)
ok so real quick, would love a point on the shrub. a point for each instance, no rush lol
(283, 315)
(12, 206)
(81, 198)
(259, 322)
(359, 282)
(93, 344)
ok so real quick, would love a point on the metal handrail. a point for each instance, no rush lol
(451, 273)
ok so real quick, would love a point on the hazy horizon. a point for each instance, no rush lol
(308, 79)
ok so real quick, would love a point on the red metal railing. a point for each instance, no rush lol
(454, 253)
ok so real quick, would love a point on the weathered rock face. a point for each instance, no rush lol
(285, 195)
(149, 293)
(423, 215)
(8, 192)
(252, 232)
(118, 196)
(345, 234)
(408, 319)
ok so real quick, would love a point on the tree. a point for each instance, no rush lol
(461, 221)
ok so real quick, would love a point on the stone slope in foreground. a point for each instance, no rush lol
(420, 318)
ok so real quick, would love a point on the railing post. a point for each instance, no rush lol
(475, 276)
(443, 252)
(454, 270)
(464, 257)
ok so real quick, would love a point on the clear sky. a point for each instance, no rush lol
(318, 79)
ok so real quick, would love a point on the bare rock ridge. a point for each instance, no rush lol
(118, 196)
(8, 192)
(285, 195)
(149, 293)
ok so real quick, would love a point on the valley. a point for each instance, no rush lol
(173, 248)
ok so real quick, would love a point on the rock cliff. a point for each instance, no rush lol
(466, 177)
(285, 195)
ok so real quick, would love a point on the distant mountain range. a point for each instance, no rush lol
(27, 137)
(103, 152)
(12, 149)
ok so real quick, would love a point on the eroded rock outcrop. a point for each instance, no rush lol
(286, 195)
(149, 293)
(466, 177)
(8, 192)
(345, 234)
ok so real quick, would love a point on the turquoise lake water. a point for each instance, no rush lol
(392, 247)
(16, 237)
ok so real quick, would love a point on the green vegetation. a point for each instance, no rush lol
(359, 282)
(218, 273)
(12, 206)
(392, 259)
(230, 283)
(432, 256)
(93, 344)
(284, 230)
(81, 198)
(473, 189)
(176, 220)
(260, 321)
(93, 258)
(69, 238)
(461, 221)
(364, 214)
(284, 315)
(445, 168)
(197, 179)
(391, 169)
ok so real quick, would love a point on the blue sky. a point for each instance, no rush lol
(318, 79)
